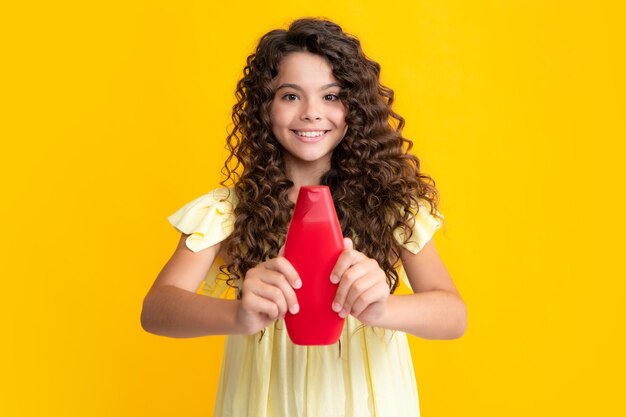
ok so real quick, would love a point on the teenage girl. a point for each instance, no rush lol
(311, 110)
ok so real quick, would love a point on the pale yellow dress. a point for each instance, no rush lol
(373, 375)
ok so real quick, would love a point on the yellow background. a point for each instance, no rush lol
(115, 114)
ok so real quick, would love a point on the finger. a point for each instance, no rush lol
(357, 289)
(272, 294)
(282, 265)
(346, 259)
(259, 305)
(373, 294)
(347, 243)
(354, 273)
(279, 281)
(281, 251)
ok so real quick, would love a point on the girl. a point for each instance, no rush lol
(311, 110)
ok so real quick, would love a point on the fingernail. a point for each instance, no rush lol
(342, 314)
(334, 278)
(297, 284)
(294, 309)
(336, 307)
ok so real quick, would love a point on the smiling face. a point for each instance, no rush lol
(307, 117)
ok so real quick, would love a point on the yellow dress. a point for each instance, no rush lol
(372, 376)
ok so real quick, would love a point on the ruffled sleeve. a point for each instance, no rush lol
(423, 224)
(208, 219)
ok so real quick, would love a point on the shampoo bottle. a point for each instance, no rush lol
(313, 245)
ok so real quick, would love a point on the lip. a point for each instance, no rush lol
(310, 140)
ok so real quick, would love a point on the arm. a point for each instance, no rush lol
(173, 308)
(434, 311)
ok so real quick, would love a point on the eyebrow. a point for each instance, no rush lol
(297, 87)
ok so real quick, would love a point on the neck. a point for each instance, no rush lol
(303, 173)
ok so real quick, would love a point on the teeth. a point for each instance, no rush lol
(310, 134)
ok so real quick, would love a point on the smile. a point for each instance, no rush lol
(310, 136)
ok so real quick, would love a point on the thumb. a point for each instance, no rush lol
(347, 242)
(281, 251)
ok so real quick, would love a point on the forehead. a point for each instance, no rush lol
(304, 68)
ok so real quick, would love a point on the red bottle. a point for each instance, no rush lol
(314, 242)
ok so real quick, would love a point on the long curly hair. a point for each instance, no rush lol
(374, 180)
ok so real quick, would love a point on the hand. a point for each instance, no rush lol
(267, 294)
(363, 290)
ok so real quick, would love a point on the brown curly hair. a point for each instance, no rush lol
(374, 180)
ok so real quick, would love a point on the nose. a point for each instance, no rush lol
(311, 111)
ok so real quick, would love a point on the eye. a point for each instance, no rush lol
(334, 97)
(289, 95)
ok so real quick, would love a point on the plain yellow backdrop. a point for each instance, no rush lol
(115, 114)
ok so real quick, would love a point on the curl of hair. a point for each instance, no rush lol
(373, 178)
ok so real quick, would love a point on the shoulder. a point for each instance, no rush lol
(423, 222)
(207, 219)
(215, 196)
(221, 199)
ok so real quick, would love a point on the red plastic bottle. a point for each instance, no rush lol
(314, 242)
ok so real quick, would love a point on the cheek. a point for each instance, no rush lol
(272, 113)
(339, 117)
(279, 117)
